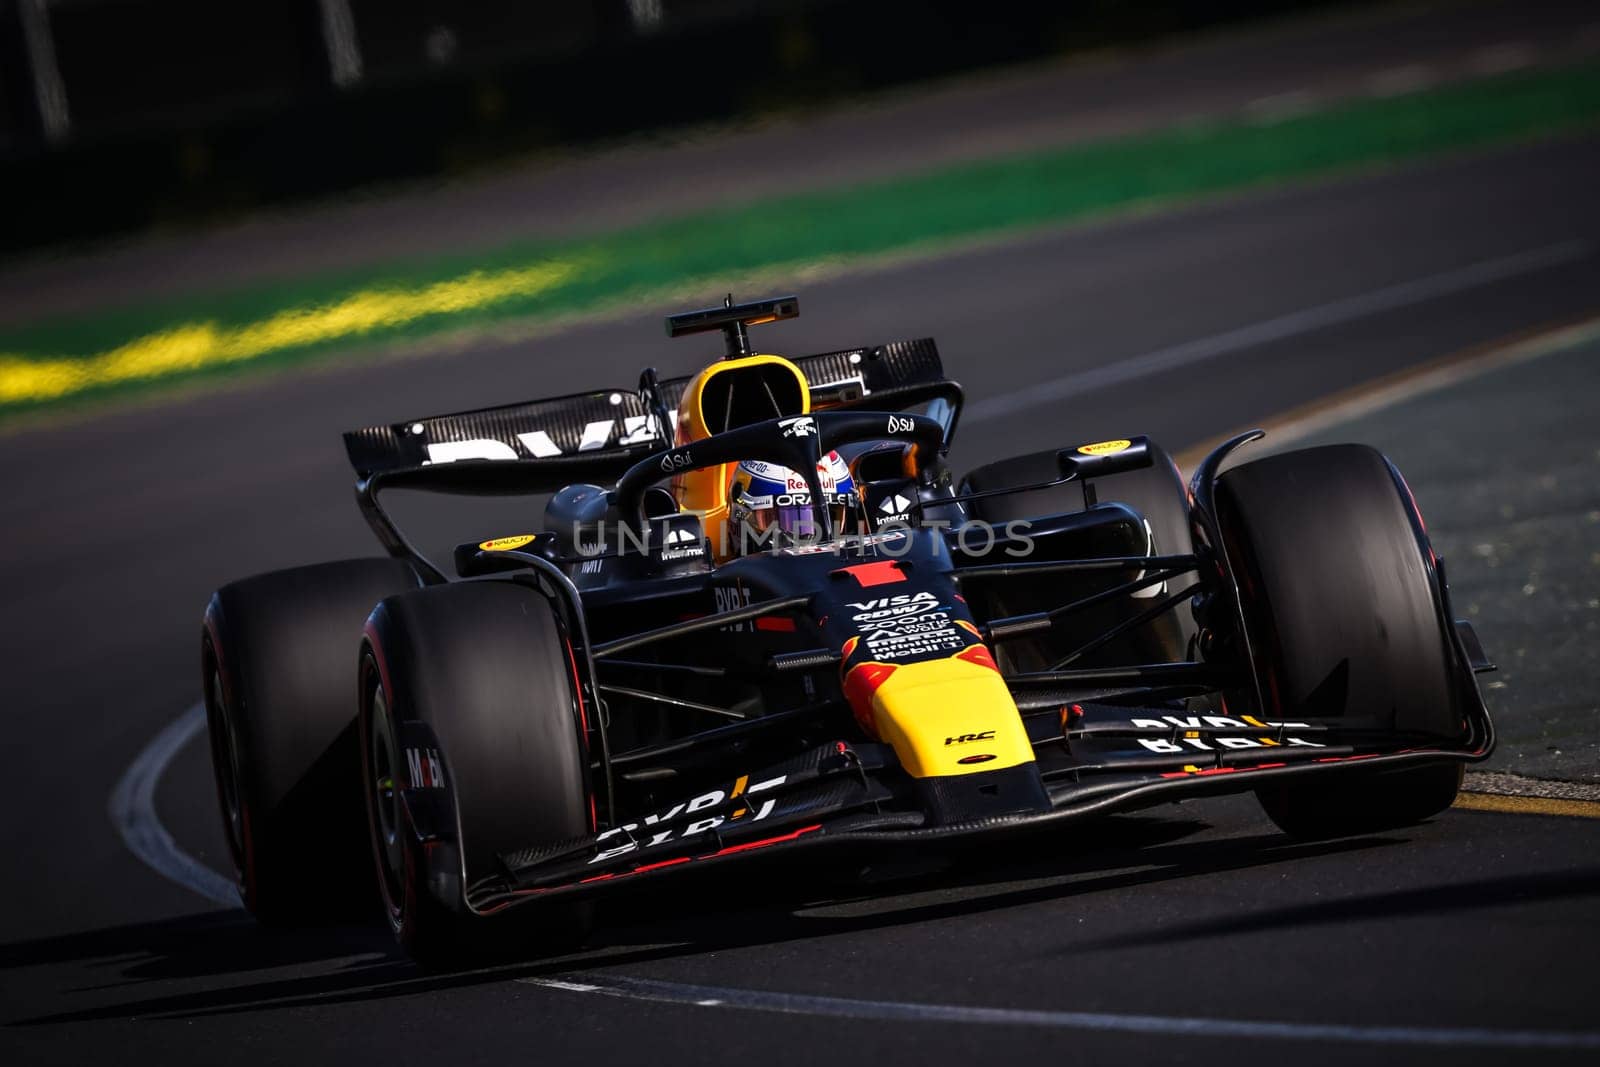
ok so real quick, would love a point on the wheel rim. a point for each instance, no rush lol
(385, 793)
(225, 761)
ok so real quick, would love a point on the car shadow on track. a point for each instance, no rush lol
(349, 964)
(1468, 896)
(207, 945)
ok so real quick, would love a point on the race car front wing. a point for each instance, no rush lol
(845, 795)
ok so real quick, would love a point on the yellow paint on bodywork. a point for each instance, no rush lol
(705, 492)
(921, 706)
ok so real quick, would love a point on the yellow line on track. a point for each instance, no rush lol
(1576, 809)
(195, 345)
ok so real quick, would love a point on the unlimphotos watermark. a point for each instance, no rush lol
(893, 539)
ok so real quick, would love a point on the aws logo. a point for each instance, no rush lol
(962, 739)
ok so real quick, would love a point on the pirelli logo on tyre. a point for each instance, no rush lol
(1105, 448)
(506, 544)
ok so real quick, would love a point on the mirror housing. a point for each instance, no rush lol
(1102, 458)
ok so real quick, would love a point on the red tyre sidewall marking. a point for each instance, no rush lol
(583, 722)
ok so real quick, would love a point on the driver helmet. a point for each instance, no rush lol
(771, 505)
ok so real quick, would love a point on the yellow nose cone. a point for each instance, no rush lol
(942, 717)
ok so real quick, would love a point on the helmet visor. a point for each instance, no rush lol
(799, 523)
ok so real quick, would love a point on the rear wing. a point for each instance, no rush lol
(583, 437)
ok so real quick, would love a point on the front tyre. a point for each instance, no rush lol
(473, 736)
(1345, 620)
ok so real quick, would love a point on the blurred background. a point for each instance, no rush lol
(155, 111)
(231, 231)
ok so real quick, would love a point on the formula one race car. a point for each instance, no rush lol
(761, 619)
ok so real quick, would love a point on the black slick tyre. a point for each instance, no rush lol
(1344, 615)
(278, 667)
(473, 730)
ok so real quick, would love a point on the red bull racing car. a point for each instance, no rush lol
(762, 618)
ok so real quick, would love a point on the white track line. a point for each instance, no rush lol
(133, 811)
(1294, 324)
(646, 989)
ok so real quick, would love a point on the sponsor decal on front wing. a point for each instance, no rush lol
(652, 831)
(1193, 726)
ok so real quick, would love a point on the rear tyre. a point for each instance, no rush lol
(1157, 492)
(1345, 622)
(479, 677)
(278, 670)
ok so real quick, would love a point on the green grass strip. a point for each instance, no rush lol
(68, 360)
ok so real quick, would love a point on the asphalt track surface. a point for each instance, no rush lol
(1192, 934)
